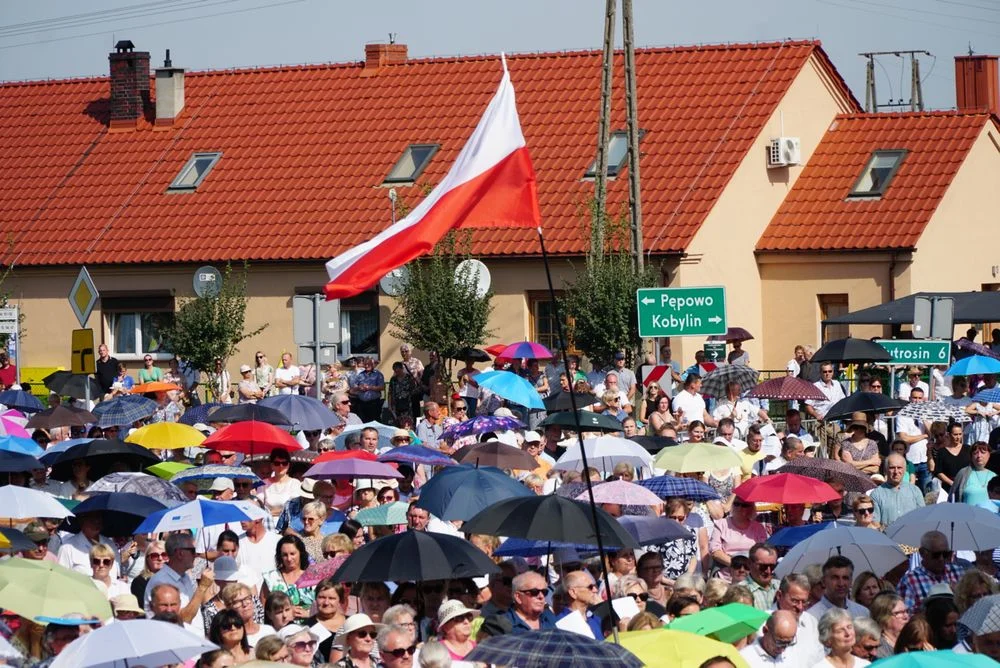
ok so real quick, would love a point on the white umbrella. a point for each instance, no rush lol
(604, 452)
(967, 527)
(868, 549)
(135, 642)
(21, 503)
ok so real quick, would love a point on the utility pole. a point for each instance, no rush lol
(632, 126)
(916, 101)
(604, 128)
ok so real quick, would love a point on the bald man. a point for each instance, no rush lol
(581, 594)
(895, 497)
(769, 648)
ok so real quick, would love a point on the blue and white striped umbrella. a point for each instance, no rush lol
(25, 446)
(124, 410)
(193, 515)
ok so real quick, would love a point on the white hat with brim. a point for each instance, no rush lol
(355, 623)
(451, 609)
(288, 632)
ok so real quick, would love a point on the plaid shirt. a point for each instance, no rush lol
(916, 584)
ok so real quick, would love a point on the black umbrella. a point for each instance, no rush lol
(415, 556)
(244, 412)
(851, 350)
(15, 462)
(553, 518)
(867, 402)
(69, 384)
(474, 354)
(555, 403)
(653, 444)
(589, 420)
(61, 416)
(103, 455)
(122, 512)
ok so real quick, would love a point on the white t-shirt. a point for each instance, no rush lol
(691, 405)
(291, 373)
(265, 630)
(258, 558)
(906, 387)
(917, 452)
(468, 390)
(833, 392)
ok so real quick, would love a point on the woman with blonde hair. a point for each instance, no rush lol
(644, 621)
(313, 515)
(336, 545)
(624, 471)
(973, 586)
(864, 509)
(263, 374)
(155, 558)
(715, 590)
(102, 560)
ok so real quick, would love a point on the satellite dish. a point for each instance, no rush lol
(476, 272)
(207, 281)
(393, 283)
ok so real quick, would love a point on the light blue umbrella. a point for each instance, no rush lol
(460, 492)
(193, 515)
(385, 433)
(511, 387)
(990, 396)
(25, 446)
(135, 642)
(974, 365)
(303, 413)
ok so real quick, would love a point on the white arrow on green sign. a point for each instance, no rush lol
(697, 311)
(923, 351)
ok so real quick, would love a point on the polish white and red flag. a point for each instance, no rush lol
(491, 184)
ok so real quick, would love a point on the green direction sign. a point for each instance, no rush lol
(715, 351)
(681, 311)
(924, 351)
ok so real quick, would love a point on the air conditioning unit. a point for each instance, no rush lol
(784, 151)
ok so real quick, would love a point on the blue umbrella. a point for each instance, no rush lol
(16, 462)
(123, 410)
(417, 454)
(511, 387)
(122, 512)
(460, 492)
(553, 648)
(480, 425)
(526, 547)
(653, 530)
(666, 486)
(21, 400)
(790, 536)
(25, 446)
(55, 449)
(193, 515)
(974, 365)
(200, 413)
(303, 413)
(990, 396)
(385, 433)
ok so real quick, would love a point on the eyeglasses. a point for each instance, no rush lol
(865, 511)
(345, 401)
(148, 359)
(939, 554)
(102, 562)
(229, 626)
(876, 386)
(157, 555)
(330, 555)
(901, 613)
(400, 652)
(241, 601)
(533, 593)
(639, 596)
(303, 645)
(782, 644)
(366, 634)
(279, 462)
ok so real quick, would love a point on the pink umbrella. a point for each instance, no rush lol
(9, 427)
(526, 350)
(786, 388)
(347, 469)
(622, 492)
(319, 571)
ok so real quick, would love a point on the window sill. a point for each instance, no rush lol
(132, 357)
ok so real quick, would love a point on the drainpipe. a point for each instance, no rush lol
(892, 276)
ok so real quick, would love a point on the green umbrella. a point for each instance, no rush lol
(385, 515)
(726, 623)
(167, 470)
(696, 458)
(942, 658)
(35, 589)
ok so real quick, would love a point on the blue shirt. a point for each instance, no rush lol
(546, 621)
(373, 378)
(291, 517)
(592, 621)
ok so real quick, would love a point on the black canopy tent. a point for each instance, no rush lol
(970, 308)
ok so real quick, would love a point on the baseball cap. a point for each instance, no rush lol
(35, 531)
(225, 569)
(244, 368)
(532, 437)
(619, 356)
(221, 485)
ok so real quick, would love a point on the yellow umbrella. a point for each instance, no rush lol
(696, 457)
(35, 589)
(166, 436)
(663, 648)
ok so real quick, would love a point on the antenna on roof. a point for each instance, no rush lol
(392, 37)
(971, 52)
(166, 60)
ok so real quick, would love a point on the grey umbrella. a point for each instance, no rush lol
(984, 616)
(868, 549)
(967, 527)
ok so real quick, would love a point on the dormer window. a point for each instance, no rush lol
(194, 171)
(411, 164)
(878, 172)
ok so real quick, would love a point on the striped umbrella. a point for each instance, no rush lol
(714, 384)
(786, 388)
(11, 427)
(666, 486)
(526, 350)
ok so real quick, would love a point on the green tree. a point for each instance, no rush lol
(437, 311)
(600, 303)
(212, 327)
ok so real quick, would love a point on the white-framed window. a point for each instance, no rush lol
(194, 171)
(878, 173)
(617, 154)
(359, 325)
(133, 325)
(411, 164)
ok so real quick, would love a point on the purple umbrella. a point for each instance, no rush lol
(480, 425)
(732, 334)
(417, 454)
(526, 349)
(347, 469)
(621, 492)
(975, 348)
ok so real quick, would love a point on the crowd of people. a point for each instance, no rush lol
(243, 586)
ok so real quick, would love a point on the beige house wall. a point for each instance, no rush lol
(722, 250)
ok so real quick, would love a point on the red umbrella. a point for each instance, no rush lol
(786, 388)
(496, 349)
(250, 437)
(320, 571)
(786, 488)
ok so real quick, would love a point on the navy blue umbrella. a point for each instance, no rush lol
(459, 492)
(124, 410)
(524, 547)
(666, 486)
(654, 530)
(200, 413)
(303, 413)
(122, 511)
(790, 536)
(246, 412)
(15, 462)
(21, 400)
(552, 648)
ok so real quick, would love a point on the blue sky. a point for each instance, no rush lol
(58, 38)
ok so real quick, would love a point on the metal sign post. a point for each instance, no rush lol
(10, 318)
(316, 330)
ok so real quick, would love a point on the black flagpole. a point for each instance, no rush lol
(579, 434)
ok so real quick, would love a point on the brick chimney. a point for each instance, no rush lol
(129, 84)
(378, 56)
(977, 84)
(169, 93)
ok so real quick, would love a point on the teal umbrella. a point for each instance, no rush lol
(388, 514)
(942, 658)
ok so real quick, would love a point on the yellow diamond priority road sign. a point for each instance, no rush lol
(83, 296)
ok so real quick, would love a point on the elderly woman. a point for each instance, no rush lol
(155, 558)
(403, 615)
(238, 598)
(635, 588)
(836, 633)
(357, 637)
(336, 545)
(973, 586)
(301, 644)
(889, 611)
(313, 515)
(864, 512)
(455, 628)
(102, 560)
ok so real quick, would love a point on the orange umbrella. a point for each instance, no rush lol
(154, 386)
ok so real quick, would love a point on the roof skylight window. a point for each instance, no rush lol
(412, 163)
(195, 171)
(878, 173)
(617, 154)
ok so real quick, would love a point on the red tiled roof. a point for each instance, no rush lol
(817, 214)
(305, 149)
